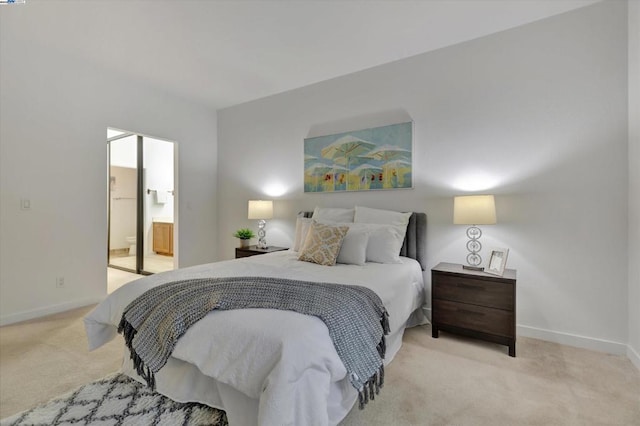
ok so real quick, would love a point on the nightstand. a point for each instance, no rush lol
(474, 304)
(254, 250)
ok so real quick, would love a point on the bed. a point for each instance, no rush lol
(265, 366)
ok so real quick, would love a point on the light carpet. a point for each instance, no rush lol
(117, 400)
(447, 381)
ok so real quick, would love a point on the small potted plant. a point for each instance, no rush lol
(244, 234)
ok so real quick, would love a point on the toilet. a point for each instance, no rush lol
(132, 245)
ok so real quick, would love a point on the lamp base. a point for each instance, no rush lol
(473, 268)
(262, 241)
(473, 245)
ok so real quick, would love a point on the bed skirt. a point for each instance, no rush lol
(183, 382)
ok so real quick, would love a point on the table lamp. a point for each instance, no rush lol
(261, 210)
(474, 210)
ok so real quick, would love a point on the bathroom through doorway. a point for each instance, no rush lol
(142, 203)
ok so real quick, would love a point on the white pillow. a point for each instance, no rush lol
(354, 247)
(333, 215)
(302, 229)
(383, 242)
(385, 245)
(383, 217)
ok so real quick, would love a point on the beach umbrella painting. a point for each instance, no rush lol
(360, 160)
(316, 170)
(366, 171)
(345, 148)
(386, 154)
(396, 165)
(353, 161)
(336, 170)
(321, 169)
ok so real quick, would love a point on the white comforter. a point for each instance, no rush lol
(283, 360)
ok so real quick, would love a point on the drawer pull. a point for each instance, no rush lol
(464, 311)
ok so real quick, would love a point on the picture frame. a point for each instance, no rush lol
(497, 261)
(376, 158)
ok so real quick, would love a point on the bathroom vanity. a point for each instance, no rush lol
(163, 236)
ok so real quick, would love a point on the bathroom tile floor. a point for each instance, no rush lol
(152, 263)
(116, 278)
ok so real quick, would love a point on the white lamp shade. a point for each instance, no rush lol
(474, 210)
(259, 209)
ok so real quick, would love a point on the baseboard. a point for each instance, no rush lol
(427, 312)
(633, 355)
(573, 340)
(48, 310)
(522, 330)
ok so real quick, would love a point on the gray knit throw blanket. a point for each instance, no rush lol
(355, 316)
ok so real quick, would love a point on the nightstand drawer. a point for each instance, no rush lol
(469, 290)
(243, 253)
(254, 251)
(472, 317)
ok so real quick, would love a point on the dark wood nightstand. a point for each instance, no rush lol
(474, 304)
(254, 250)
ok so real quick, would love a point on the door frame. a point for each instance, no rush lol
(140, 200)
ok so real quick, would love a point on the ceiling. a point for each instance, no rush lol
(222, 53)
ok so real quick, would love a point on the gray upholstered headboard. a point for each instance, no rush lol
(415, 240)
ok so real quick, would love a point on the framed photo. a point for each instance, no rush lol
(497, 261)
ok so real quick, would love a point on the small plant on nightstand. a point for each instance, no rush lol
(244, 234)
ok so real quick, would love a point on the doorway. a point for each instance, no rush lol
(141, 203)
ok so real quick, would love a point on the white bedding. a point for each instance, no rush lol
(262, 366)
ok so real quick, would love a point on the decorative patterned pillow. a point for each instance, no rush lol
(323, 244)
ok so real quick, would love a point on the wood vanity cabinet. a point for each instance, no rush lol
(163, 238)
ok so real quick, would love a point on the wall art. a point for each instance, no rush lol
(360, 160)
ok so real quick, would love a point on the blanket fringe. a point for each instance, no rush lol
(371, 388)
(382, 347)
(384, 321)
(129, 332)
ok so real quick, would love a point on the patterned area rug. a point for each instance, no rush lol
(117, 400)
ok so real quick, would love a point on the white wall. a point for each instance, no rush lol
(55, 109)
(634, 182)
(536, 115)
